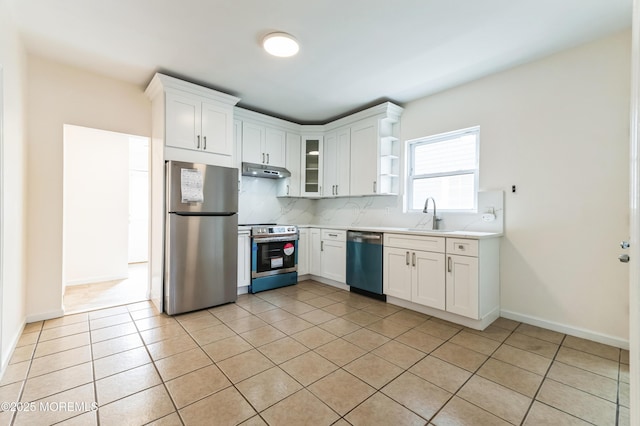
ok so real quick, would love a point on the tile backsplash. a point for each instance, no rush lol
(259, 204)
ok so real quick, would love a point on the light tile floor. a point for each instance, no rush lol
(86, 297)
(307, 354)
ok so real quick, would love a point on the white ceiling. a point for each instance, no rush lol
(353, 52)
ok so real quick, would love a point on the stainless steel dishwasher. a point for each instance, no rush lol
(364, 263)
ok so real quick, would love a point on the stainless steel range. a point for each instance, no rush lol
(274, 257)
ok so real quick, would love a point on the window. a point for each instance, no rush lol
(444, 167)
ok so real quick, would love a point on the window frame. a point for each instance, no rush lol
(441, 137)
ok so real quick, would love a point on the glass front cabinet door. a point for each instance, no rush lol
(312, 166)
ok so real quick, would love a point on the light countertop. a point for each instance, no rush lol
(412, 231)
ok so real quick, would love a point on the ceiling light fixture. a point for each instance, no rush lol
(280, 44)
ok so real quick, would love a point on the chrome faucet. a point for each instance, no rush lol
(426, 210)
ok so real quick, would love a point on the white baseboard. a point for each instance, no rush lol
(567, 329)
(45, 315)
(243, 290)
(94, 280)
(12, 347)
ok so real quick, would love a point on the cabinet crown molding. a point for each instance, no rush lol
(385, 110)
(162, 83)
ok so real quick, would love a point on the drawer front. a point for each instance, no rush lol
(415, 242)
(462, 246)
(333, 235)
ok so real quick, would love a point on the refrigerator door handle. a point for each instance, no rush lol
(217, 214)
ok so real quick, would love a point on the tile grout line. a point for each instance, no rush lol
(259, 413)
(93, 371)
(405, 370)
(313, 350)
(618, 389)
(367, 351)
(474, 373)
(14, 416)
(545, 377)
(153, 362)
(56, 393)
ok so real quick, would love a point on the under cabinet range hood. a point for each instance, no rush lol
(264, 171)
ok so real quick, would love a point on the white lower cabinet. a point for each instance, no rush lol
(333, 255)
(462, 285)
(414, 275)
(397, 280)
(428, 279)
(303, 252)
(315, 245)
(327, 254)
(244, 258)
(456, 275)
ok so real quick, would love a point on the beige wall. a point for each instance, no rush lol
(557, 128)
(58, 95)
(13, 190)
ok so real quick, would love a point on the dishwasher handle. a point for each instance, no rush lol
(364, 237)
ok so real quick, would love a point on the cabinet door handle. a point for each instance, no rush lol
(332, 235)
(287, 189)
(449, 264)
(320, 190)
(374, 186)
(204, 146)
(413, 259)
(267, 158)
(336, 189)
(406, 258)
(263, 158)
(198, 146)
(321, 245)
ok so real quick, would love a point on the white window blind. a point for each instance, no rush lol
(444, 167)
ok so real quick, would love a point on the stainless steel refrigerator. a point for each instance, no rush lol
(201, 236)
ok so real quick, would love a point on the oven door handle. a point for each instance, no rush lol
(259, 240)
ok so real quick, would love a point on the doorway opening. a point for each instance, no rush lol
(105, 219)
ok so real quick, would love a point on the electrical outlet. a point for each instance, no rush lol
(488, 217)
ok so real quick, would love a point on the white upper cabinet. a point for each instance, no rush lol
(262, 144)
(195, 123)
(311, 166)
(337, 155)
(375, 155)
(290, 187)
(275, 147)
(253, 143)
(364, 155)
(217, 129)
(182, 121)
(357, 155)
